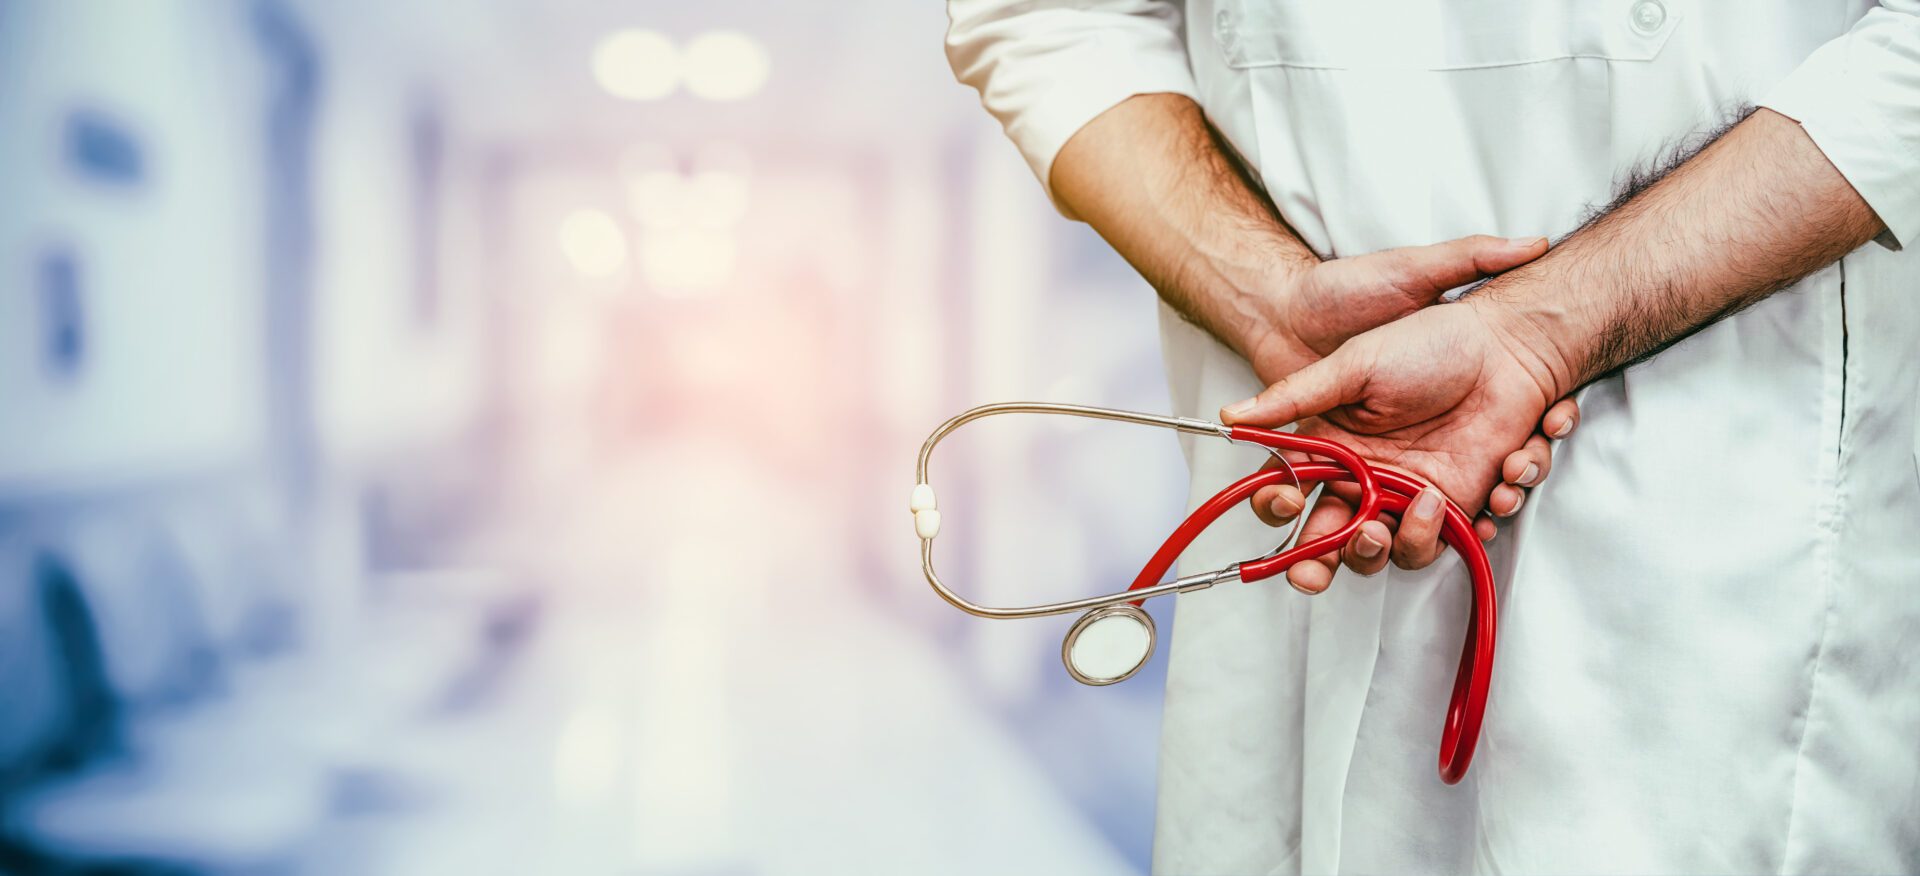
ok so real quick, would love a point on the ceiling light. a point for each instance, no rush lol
(637, 64)
(726, 65)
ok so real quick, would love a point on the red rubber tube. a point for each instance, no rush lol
(1380, 490)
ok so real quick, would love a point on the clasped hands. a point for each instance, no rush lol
(1364, 351)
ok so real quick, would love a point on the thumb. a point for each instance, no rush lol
(1313, 390)
(1435, 268)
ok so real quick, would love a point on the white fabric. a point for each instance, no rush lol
(1710, 617)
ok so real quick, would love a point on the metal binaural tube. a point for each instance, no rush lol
(1179, 424)
(927, 520)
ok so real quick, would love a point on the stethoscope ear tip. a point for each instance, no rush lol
(1108, 645)
(926, 523)
(926, 511)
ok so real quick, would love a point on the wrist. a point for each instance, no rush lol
(1257, 302)
(1165, 189)
(1537, 335)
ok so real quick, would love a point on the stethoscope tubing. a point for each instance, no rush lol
(1381, 490)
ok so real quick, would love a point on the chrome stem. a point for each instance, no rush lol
(1181, 424)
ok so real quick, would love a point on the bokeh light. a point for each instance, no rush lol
(726, 65)
(683, 261)
(637, 64)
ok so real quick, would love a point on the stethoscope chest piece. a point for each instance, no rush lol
(1108, 645)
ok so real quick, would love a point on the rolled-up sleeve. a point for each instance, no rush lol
(1045, 68)
(1858, 97)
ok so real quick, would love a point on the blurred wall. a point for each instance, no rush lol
(130, 343)
(400, 317)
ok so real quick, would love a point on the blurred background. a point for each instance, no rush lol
(473, 437)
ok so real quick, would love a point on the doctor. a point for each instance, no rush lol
(1710, 641)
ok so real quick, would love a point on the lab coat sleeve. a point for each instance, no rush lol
(1045, 68)
(1858, 97)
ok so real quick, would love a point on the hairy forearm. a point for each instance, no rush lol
(1158, 183)
(1756, 210)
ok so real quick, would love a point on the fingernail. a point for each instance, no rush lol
(1302, 589)
(1428, 504)
(1241, 407)
(1516, 506)
(1526, 477)
(1366, 547)
(1526, 242)
(1283, 508)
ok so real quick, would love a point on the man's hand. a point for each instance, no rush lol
(1322, 307)
(1443, 391)
(1312, 310)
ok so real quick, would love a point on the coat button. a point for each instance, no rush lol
(1647, 16)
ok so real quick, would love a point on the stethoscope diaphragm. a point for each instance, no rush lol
(1108, 645)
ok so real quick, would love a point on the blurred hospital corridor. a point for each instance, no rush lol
(475, 437)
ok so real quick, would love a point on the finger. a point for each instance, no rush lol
(1528, 465)
(1417, 541)
(1367, 552)
(1438, 267)
(1328, 515)
(1315, 389)
(1506, 500)
(1561, 419)
(1485, 528)
(1278, 505)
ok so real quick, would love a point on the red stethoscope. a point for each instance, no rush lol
(1114, 637)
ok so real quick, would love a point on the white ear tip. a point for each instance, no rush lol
(922, 498)
(926, 521)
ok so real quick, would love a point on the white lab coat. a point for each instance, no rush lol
(1709, 653)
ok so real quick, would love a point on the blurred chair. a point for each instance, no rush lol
(59, 709)
(166, 716)
(138, 675)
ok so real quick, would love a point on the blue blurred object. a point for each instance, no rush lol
(101, 149)
(63, 337)
(89, 717)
